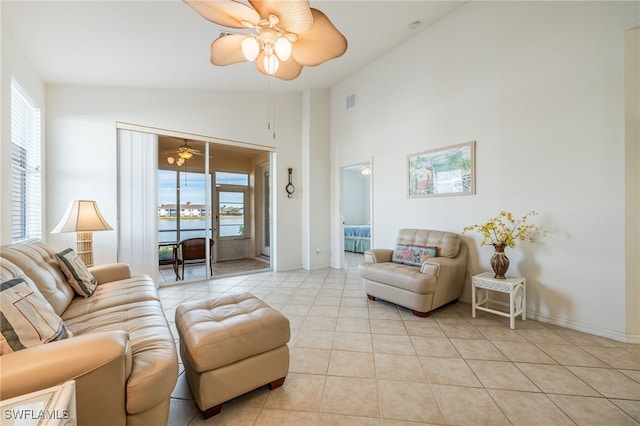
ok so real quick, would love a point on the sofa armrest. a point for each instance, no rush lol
(378, 255)
(430, 268)
(100, 364)
(445, 264)
(451, 276)
(50, 364)
(110, 272)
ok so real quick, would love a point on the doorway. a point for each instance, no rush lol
(229, 217)
(264, 231)
(357, 219)
(148, 238)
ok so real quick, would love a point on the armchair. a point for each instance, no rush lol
(426, 270)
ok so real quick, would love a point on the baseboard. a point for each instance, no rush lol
(572, 325)
(596, 331)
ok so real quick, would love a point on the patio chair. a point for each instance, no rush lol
(189, 252)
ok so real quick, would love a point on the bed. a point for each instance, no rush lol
(357, 238)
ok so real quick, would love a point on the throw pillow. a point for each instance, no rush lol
(77, 273)
(419, 254)
(427, 253)
(26, 318)
(412, 255)
(401, 253)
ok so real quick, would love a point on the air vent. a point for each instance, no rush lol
(351, 101)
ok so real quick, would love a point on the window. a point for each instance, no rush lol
(231, 211)
(228, 178)
(231, 203)
(182, 212)
(26, 177)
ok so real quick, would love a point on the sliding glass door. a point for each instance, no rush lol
(182, 211)
(168, 192)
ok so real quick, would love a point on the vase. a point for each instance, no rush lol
(499, 262)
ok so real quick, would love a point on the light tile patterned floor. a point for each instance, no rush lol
(167, 276)
(357, 362)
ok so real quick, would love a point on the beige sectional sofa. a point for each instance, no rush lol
(424, 271)
(121, 354)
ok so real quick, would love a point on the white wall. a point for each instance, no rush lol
(316, 154)
(81, 140)
(632, 183)
(539, 86)
(356, 198)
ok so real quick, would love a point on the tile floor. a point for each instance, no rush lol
(167, 276)
(357, 362)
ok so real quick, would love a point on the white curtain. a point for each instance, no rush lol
(138, 201)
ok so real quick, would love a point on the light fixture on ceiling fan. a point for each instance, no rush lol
(287, 35)
(184, 153)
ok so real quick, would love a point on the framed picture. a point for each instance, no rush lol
(444, 171)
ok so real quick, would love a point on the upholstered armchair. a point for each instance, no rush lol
(424, 271)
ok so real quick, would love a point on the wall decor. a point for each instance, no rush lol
(290, 188)
(443, 171)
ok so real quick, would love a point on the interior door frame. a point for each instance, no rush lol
(265, 212)
(152, 246)
(342, 203)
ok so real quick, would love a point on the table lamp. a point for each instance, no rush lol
(83, 217)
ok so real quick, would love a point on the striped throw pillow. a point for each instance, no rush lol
(78, 276)
(26, 318)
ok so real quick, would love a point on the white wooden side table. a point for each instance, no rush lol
(516, 287)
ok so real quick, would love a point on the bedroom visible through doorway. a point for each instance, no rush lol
(356, 208)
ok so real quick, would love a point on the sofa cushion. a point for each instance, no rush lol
(78, 276)
(154, 366)
(39, 263)
(412, 255)
(26, 318)
(448, 243)
(122, 292)
(398, 275)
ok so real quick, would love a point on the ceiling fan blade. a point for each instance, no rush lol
(287, 70)
(228, 13)
(322, 43)
(295, 15)
(227, 50)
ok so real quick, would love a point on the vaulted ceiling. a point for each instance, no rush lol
(165, 43)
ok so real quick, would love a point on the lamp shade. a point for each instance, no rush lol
(82, 216)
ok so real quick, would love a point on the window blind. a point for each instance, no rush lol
(26, 176)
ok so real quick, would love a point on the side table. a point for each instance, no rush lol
(516, 287)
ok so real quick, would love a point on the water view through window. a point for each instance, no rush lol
(231, 201)
(182, 210)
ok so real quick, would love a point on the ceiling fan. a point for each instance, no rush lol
(284, 36)
(183, 153)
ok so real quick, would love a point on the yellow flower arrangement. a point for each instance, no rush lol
(506, 230)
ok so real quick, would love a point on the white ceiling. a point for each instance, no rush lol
(165, 43)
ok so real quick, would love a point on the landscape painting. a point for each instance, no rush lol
(443, 171)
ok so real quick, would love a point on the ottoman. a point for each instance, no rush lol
(231, 345)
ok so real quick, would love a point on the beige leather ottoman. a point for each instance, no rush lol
(231, 345)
